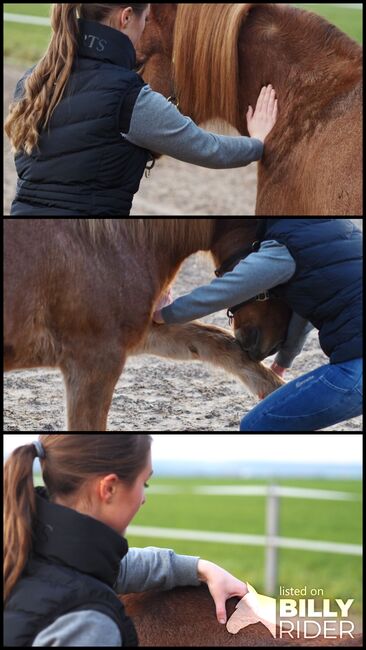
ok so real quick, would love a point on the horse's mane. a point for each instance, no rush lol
(208, 59)
(176, 234)
(206, 52)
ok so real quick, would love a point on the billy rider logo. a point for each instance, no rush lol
(290, 618)
(313, 617)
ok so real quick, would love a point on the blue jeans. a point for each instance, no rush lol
(320, 399)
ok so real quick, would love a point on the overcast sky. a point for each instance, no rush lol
(262, 447)
(316, 447)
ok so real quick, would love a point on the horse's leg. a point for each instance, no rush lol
(197, 341)
(90, 381)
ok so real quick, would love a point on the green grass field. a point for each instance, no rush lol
(348, 20)
(26, 44)
(332, 521)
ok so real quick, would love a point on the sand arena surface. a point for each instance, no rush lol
(155, 394)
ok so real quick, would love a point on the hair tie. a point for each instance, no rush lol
(39, 449)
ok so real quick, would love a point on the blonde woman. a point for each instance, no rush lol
(83, 122)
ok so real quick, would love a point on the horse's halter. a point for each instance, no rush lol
(229, 265)
(173, 99)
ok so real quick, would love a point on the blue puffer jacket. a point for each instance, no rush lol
(84, 165)
(327, 286)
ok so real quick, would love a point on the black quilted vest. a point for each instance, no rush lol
(73, 567)
(84, 165)
(327, 286)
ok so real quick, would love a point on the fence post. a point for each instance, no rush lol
(272, 531)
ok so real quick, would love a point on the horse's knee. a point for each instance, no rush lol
(90, 382)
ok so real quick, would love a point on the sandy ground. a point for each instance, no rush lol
(154, 394)
(173, 188)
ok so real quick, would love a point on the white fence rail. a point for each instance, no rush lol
(26, 20)
(272, 540)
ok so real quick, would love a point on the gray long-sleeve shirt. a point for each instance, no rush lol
(140, 570)
(157, 125)
(272, 266)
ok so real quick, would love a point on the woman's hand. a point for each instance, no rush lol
(278, 370)
(165, 300)
(262, 121)
(222, 586)
(157, 318)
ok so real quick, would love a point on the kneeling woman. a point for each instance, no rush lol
(315, 266)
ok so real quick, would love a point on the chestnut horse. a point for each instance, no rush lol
(186, 617)
(216, 57)
(80, 293)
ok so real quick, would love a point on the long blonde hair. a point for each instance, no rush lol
(70, 460)
(45, 86)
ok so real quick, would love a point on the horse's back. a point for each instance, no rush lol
(186, 616)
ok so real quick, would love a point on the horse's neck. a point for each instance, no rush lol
(313, 67)
(234, 240)
(308, 61)
(175, 242)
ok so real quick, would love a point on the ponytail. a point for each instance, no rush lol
(45, 86)
(19, 511)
